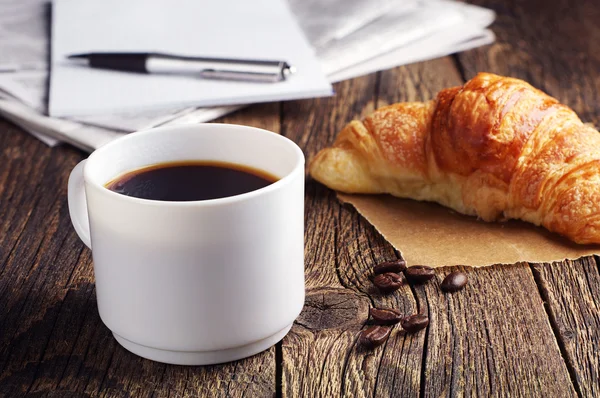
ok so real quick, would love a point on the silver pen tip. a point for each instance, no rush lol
(289, 70)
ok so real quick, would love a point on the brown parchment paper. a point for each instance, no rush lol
(429, 234)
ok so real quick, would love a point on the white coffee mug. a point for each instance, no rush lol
(197, 282)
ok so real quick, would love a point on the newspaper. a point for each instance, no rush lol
(79, 135)
(384, 35)
(351, 38)
(87, 137)
(24, 55)
(324, 21)
(24, 35)
(446, 40)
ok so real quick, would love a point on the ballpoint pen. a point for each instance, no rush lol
(263, 71)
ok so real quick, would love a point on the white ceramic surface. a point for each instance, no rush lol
(195, 282)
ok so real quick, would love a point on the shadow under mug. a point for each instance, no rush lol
(199, 282)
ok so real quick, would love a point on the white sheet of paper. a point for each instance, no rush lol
(258, 29)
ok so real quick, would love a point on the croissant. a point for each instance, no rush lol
(495, 148)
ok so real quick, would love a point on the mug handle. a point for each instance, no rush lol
(78, 204)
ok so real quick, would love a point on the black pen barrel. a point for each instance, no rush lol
(124, 62)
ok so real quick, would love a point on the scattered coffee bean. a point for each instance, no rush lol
(374, 336)
(387, 282)
(419, 273)
(454, 282)
(414, 323)
(390, 266)
(385, 316)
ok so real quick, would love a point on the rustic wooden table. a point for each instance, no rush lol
(519, 330)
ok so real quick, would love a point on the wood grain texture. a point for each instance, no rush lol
(320, 355)
(571, 291)
(492, 338)
(556, 47)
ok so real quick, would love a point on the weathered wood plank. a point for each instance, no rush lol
(417, 82)
(492, 338)
(571, 291)
(33, 280)
(320, 355)
(51, 336)
(554, 45)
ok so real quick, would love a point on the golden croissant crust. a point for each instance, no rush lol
(496, 148)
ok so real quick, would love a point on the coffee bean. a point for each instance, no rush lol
(390, 266)
(454, 282)
(419, 273)
(387, 282)
(414, 323)
(385, 316)
(374, 336)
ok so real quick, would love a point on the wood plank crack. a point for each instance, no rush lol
(584, 386)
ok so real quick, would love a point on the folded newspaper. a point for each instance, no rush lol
(351, 38)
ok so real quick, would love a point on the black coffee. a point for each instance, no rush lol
(193, 180)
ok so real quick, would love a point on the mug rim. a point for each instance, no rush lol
(280, 183)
